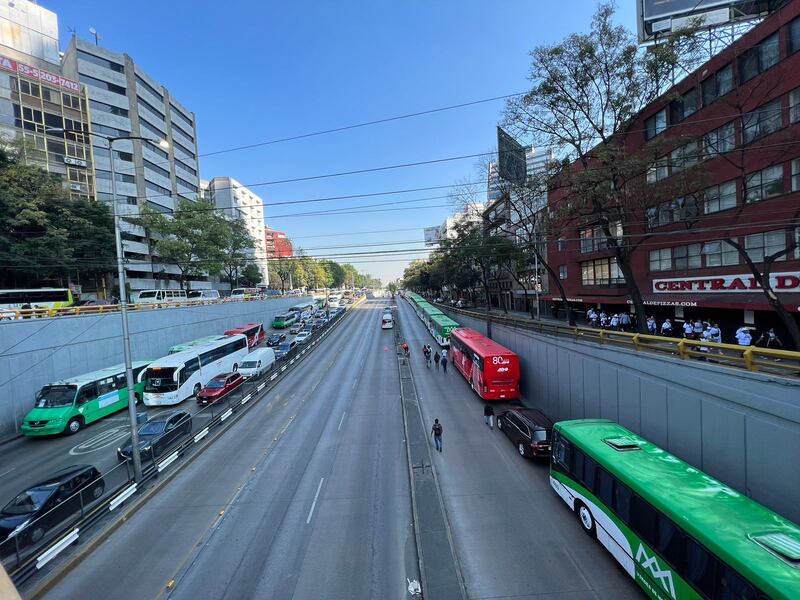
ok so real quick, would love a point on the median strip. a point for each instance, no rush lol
(168, 461)
(124, 495)
(56, 549)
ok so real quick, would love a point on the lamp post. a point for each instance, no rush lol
(123, 294)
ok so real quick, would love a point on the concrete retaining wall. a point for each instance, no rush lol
(38, 351)
(743, 428)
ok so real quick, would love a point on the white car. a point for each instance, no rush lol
(302, 337)
(257, 363)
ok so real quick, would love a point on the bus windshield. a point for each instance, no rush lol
(150, 294)
(56, 396)
(160, 380)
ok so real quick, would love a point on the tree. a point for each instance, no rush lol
(237, 251)
(192, 238)
(280, 270)
(586, 91)
(250, 275)
(349, 273)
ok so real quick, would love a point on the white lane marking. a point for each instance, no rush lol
(274, 375)
(355, 383)
(314, 504)
(283, 368)
(168, 461)
(201, 435)
(101, 440)
(120, 498)
(246, 399)
(46, 557)
(7, 472)
(226, 414)
(263, 385)
(291, 362)
(339, 428)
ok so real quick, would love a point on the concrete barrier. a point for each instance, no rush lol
(38, 351)
(741, 427)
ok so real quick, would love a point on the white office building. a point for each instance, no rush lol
(125, 101)
(236, 201)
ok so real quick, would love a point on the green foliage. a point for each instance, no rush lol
(236, 252)
(250, 275)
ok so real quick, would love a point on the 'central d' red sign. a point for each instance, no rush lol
(780, 282)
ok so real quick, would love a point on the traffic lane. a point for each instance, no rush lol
(513, 535)
(323, 507)
(165, 532)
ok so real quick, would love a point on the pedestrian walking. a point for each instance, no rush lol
(436, 359)
(614, 321)
(405, 348)
(769, 339)
(436, 432)
(687, 329)
(624, 321)
(697, 329)
(666, 328)
(444, 363)
(743, 337)
(651, 325)
(488, 414)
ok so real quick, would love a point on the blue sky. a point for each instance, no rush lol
(254, 71)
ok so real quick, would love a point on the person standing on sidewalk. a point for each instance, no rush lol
(436, 358)
(444, 362)
(436, 432)
(488, 414)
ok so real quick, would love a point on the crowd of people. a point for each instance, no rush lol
(692, 329)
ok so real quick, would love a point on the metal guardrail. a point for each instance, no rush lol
(22, 562)
(752, 358)
(12, 314)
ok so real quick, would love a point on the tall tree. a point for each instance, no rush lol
(250, 275)
(236, 251)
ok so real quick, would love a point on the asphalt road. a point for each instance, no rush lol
(307, 496)
(513, 536)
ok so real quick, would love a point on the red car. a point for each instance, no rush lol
(219, 387)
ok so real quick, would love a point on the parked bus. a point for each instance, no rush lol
(34, 298)
(440, 327)
(67, 405)
(161, 296)
(172, 379)
(677, 531)
(253, 331)
(284, 320)
(198, 342)
(428, 312)
(491, 369)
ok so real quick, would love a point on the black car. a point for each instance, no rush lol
(275, 339)
(529, 429)
(284, 349)
(158, 434)
(40, 508)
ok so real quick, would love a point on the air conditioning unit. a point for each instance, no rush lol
(75, 161)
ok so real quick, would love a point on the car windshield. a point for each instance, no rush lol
(540, 435)
(54, 396)
(216, 384)
(28, 501)
(152, 428)
(249, 364)
(285, 347)
(160, 380)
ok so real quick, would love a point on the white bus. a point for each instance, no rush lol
(161, 296)
(172, 379)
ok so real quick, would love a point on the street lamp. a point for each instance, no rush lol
(123, 296)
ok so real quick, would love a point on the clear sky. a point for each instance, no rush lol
(255, 70)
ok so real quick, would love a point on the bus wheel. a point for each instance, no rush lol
(74, 426)
(197, 388)
(586, 519)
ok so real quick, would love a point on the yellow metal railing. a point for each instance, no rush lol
(752, 358)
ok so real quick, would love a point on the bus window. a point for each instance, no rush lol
(700, 567)
(105, 386)
(87, 392)
(189, 369)
(644, 520)
(137, 371)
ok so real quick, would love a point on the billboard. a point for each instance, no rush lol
(660, 17)
(511, 161)
(433, 236)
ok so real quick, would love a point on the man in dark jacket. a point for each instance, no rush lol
(488, 414)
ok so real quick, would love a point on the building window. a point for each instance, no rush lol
(68, 100)
(672, 211)
(107, 108)
(162, 209)
(562, 271)
(102, 62)
(796, 175)
(186, 151)
(682, 108)
(720, 140)
(185, 168)
(794, 106)
(156, 150)
(121, 177)
(103, 85)
(763, 184)
(764, 120)
(719, 197)
(655, 124)
(109, 131)
(684, 157)
(126, 199)
(103, 153)
(794, 36)
(759, 245)
(157, 169)
(31, 89)
(188, 136)
(687, 257)
(151, 129)
(659, 170)
(593, 238)
(719, 254)
(149, 88)
(661, 260)
(716, 86)
(156, 112)
(603, 271)
(562, 243)
(759, 58)
(186, 184)
(175, 112)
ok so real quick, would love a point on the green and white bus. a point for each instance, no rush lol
(67, 405)
(440, 327)
(283, 321)
(677, 531)
(198, 342)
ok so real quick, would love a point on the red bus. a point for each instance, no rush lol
(491, 369)
(253, 331)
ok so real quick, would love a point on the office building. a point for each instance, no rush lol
(277, 244)
(235, 201)
(125, 101)
(35, 96)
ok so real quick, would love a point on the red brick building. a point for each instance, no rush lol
(740, 113)
(278, 245)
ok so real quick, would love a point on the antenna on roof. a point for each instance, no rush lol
(97, 37)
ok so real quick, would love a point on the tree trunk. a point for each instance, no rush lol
(633, 287)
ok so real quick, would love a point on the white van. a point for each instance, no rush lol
(159, 296)
(201, 295)
(257, 363)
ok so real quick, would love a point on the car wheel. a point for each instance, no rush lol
(235, 367)
(37, 533)
(97, 491)
(521, 449)
(586, 519)
(197, 389)
(74, 426)
(500, 424)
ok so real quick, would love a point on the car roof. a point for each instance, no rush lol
(534, 416)
(62, 475)
(165, 416)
